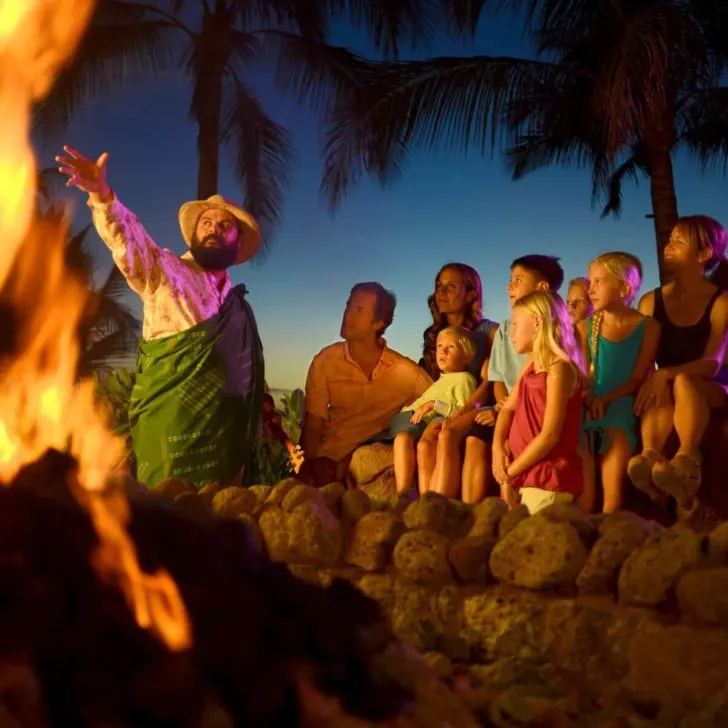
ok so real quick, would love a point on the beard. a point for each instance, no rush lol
(213, 252)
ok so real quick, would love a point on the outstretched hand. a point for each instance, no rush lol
(84, 173)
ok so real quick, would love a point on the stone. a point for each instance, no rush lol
(650, 573)
(355, 504)
(274, 530)
(459, 519)
(469, 558)
(487, 516)
(414, 617)
(569, 513)
(372, 539)
(428, 512)
(380, 587)
(209, 491)
(678, 667)
(299, 494)
(314, 534)
(703, 596)
(332, 494)
(505, 623)
(383, 490)
(511, 519)
(422, 557)
(538, 554)
(368, 463)
(253, 528)
(234, 501)
(279, 491)
(172, 487)
(606, 557)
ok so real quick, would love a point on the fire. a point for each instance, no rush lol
(42, 405)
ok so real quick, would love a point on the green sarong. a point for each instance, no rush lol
(197, 399)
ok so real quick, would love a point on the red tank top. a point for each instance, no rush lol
(561, 470)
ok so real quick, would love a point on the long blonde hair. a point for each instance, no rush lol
(555, 340)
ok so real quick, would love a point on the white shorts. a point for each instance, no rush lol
(536, 499)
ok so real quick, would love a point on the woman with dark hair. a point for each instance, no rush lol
(457, 301)
(692, 376)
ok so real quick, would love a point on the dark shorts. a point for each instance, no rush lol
(482, 432)
(400, 423)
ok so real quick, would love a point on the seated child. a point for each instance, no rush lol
(537, 433)
(455, 350)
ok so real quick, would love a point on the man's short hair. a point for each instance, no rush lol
(385, 303)
(545, 267)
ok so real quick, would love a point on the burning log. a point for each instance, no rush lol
(257, 630)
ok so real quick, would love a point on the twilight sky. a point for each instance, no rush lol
(443, 208)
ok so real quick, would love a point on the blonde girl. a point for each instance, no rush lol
(619, 345)
(536, 440)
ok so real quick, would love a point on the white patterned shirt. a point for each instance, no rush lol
(176, 292)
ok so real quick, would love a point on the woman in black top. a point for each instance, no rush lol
(691, 378)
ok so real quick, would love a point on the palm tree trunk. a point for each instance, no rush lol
(662, 190)
(209, 88)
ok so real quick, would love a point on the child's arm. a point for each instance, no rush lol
(559, 387)
(645, 362)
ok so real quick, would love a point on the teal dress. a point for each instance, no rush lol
(613, 367)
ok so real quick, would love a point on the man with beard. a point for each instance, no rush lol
(195, 406)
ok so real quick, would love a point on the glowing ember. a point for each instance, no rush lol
(42, 405)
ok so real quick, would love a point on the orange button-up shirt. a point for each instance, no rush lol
(354, 406)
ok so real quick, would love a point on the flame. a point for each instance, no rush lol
(42, 405)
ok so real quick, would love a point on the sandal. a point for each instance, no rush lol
(639, 469)
(680, 478)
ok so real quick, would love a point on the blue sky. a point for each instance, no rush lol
(445, 207)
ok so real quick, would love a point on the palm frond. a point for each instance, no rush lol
(261, 154)
(105, 351)
(304, 17)
(398, 108)
(112, 311)
(392, 25)
(703, 126)
(123, 37)
(633, 168)
(78, 257)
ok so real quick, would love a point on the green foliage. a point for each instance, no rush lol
(293, 409)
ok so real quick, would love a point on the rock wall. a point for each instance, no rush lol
(554, 617)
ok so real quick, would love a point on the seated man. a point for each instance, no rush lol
(354, 387)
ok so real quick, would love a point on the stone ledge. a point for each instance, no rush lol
(609, 611)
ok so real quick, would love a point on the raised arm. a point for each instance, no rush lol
(134, 252)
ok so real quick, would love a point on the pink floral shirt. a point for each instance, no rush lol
(176, 293)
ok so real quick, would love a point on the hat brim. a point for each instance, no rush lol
(189, 215)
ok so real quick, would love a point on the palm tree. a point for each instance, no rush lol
(615, 85)
(215, 43)
(110, 329)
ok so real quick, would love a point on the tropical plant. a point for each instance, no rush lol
(616, 86)
(216, 43)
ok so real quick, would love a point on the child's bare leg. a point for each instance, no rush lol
(426, 456)
(614, 468)
(589, 495)
(446, 478)
(404, 460)
(476, 469)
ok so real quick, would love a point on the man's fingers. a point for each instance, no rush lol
(73, 152)
(101, 161)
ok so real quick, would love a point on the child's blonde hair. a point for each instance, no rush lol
(627, 269)
(624, 267)
(555, 339)
(463, 338)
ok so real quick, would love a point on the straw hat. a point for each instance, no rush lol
(189, 215)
